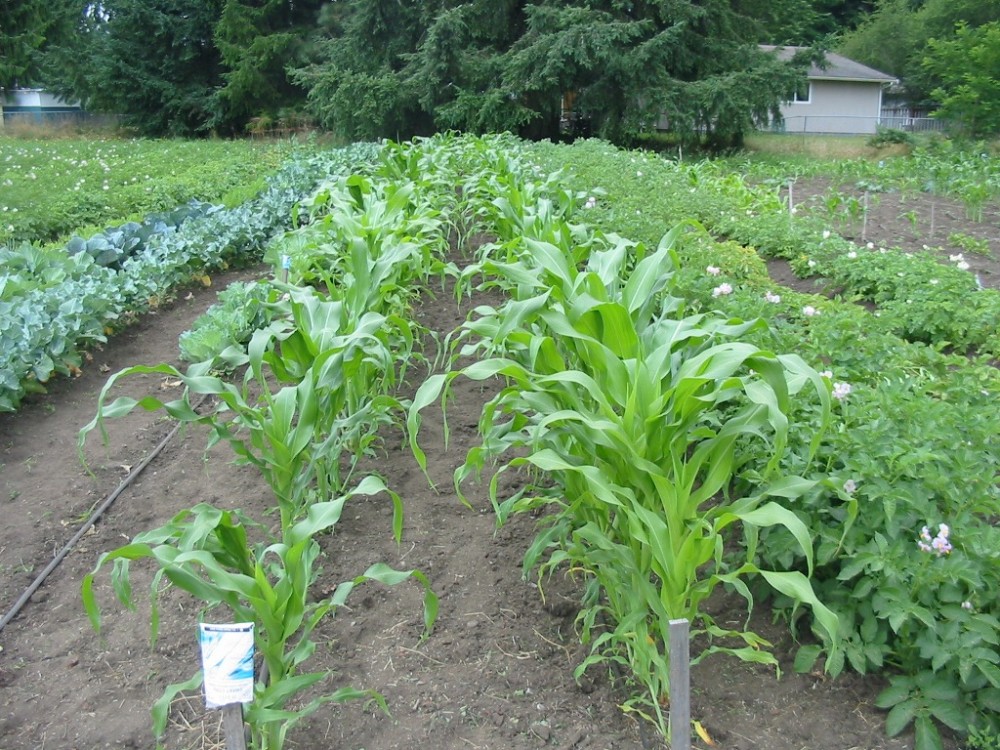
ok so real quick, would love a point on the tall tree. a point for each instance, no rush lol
(152, 61)
(887, 39)
(698, 63)
(23, 31)
(967, 67)
(457, 70)
(27, 28)
(896, 38)
(258, 40)
(353, 78)
(478, 65)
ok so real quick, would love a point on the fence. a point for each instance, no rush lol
(27, 119)
(855, 125)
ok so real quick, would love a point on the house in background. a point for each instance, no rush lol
(36, 107)
(844, 97)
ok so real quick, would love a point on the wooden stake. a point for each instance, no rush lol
(232, 723)
(864, 220)
(680, 685)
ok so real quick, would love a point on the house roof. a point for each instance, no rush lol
(839, 68)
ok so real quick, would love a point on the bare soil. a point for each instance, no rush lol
(497, 671)
(912, 222)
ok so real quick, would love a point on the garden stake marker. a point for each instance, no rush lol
(864, 220)
(680, 685)
(227, 660)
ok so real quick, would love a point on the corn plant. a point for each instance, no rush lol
(650, 436)
(315, 391)
(368, 238)
(206, 552)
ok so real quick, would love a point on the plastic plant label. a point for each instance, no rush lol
(227, 662)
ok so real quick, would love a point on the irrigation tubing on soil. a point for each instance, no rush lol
(89, 523)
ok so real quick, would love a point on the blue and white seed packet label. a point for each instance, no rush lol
(227, 662)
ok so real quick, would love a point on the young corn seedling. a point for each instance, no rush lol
(206, 552)
(315, 392)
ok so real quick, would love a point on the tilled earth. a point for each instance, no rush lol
(497, 671)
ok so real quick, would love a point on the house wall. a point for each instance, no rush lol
(35, 105)
(835, 107)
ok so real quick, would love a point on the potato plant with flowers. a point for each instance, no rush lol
(752, 215)
(915, 440)
(52, 188)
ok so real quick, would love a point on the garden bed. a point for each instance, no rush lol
(498, 668)
(497, 671)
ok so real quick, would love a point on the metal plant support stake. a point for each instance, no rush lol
(680, 685)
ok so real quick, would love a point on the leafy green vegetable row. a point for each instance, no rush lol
(53, 305)
(918, 298)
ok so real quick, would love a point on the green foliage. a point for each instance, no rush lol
(258, 42)
(154, 63)
(966, 68)
(114, 246)
(51, 189)
(315, 396)
(890, 136)
(914, 440)
(651, 436)
(599, 339)
(50, 311)
(899, 35)
(983, 739)
(230, 322)
(182, 67)
(29, 27)
(206, 552)
(353, 84)
(508, 66)
(918, 298)
(970, 244)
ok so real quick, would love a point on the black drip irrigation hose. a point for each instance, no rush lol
(94, 518)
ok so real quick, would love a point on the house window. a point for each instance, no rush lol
(802, 93)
